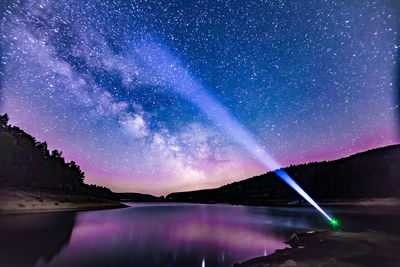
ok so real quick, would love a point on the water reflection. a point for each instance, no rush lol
(167, 234)
(26, 239)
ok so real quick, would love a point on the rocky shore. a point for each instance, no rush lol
(333, 248)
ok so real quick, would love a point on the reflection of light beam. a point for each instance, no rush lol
(171, 72)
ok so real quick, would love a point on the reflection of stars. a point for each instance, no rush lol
(311, 82)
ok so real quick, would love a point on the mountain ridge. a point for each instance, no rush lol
(337, 178)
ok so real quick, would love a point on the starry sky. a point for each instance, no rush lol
(310, 80)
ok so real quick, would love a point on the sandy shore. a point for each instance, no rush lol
(14, 201)
(333, 248)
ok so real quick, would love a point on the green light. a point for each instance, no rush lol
(334, 222)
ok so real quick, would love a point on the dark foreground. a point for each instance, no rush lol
(334, 248)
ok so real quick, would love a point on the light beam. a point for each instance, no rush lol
(171, 71)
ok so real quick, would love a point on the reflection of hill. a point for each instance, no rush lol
(27, 238)
(369, 174)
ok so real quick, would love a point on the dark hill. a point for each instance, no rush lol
(371, 174)
(28, 164)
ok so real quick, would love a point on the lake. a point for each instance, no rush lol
(168, 234)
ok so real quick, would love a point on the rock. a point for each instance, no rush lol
(334, 248)
(288, 263)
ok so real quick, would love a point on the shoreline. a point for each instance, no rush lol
(21, 201)
(76, 209)
(362, 202)
(333, 248)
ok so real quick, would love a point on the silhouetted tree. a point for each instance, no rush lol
(56, 154)
(25, 162)
(3, 120)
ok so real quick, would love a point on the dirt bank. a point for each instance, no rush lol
(13, 201)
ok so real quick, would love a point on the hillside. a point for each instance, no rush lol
(371, 174)
(33, 178)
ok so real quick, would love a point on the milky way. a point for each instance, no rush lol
(311, 81)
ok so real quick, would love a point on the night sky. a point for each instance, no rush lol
(310, 80)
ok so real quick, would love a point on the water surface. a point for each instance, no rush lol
(168, 234)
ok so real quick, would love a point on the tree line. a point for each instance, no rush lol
(28, 163)
(371, 174)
